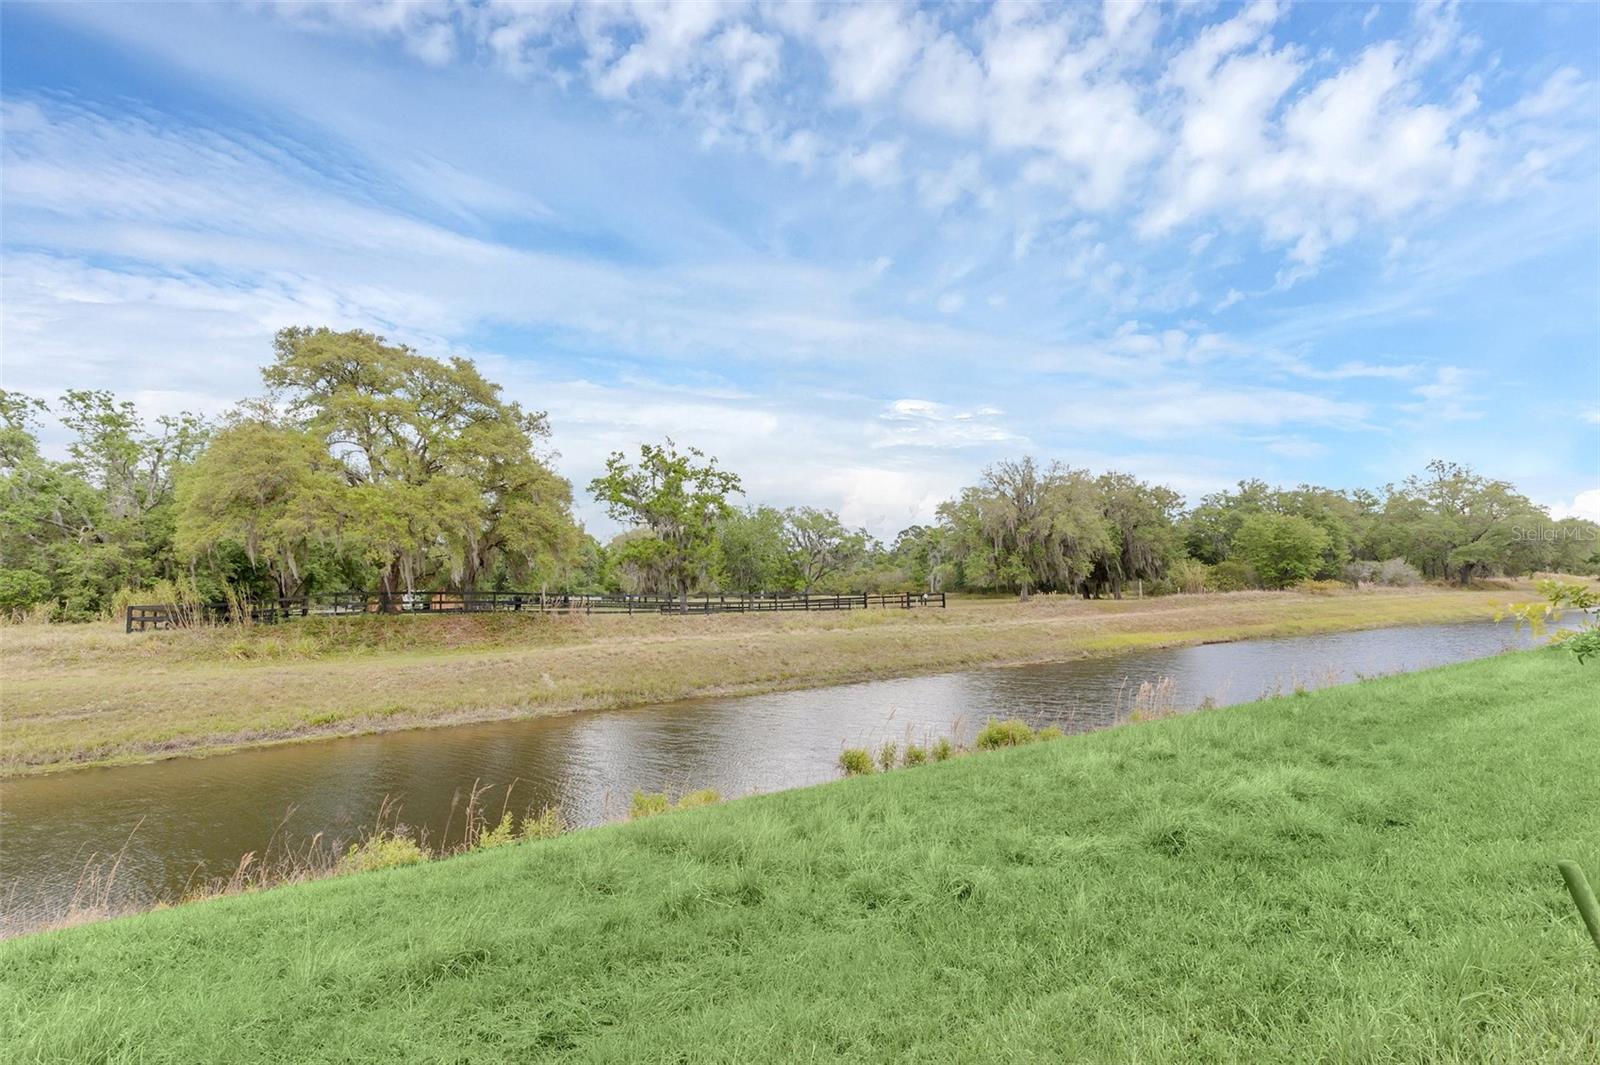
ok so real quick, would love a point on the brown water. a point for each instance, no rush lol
(188, 819)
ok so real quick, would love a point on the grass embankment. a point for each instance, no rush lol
(1364, 873)
(82, 695)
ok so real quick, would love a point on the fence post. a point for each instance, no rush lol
(129, 626)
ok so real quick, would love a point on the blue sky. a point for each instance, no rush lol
(856, 252)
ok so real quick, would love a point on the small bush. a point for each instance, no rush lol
(1398, 573)
(547, 824)
(1360, 572)
(997, 734)
(915, 755)
(498, 836)
(1050, 732)
(381, 852)
(942, 749)
(1231, 575)
(703, 797)
(648, 804)
(855, 761)
(1189, 576)
(887, 755)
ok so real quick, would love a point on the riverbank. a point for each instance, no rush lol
(92, 695)
(1365, 872)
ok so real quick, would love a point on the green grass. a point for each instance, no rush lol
(1365, 873)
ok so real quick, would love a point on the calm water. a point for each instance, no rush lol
(188, 819)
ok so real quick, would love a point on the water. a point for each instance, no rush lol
(181, 821)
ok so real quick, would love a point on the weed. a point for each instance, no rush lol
(648, 804)
(915, 755)
(855, 761)
(694, 799)
(548, 823)
(888, 754)
(502, 833)
(1050, 732)
(942, 749)
(381, 852)
(1012, 733)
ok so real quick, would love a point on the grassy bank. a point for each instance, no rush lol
(82, 695)
(1364, 873)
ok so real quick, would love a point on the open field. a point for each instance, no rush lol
(82, 695)
(1364, 873)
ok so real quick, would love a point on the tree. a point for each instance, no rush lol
(820, 545)
(101, 521)
(680, 498)
(1455, 524)
(275, 491)
(752, 554)
(1142, 537)
(1283, 549)
(444, 478)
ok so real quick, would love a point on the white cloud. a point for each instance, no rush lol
(877, 164)
(1585, 505)
(1179, 409)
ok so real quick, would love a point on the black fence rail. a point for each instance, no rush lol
(271, 611)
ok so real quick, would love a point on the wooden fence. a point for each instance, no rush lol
(272, 611)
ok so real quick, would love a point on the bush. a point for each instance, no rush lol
(1283, 549)
(887, 754)
(1050, 732)
(1398, 573)
(547, 825)
(648, 804)
(1188, 576)
(21, 589)
(381, 852)
(498, 836)
(696, 799)
(1360, 572)
(942, 749)
(915, 755)
(997, 734)
(855, 761)
(1230, 575)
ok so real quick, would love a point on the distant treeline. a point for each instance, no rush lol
(369, 466)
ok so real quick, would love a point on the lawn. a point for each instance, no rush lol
(1365, 873)
(83, 695)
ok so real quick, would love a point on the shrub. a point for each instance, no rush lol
(1283, 549)
(887, 754)
(943, 749)
(1398, 573)
(915, 755)
(997, 734)
(548, 824)
(855, 761)
(1189, 576)
(21, 589)
(498, 836)
(1230, 575)
(648, 804)
(381, 852)
(703, 797)
(1360, 572)
(1050, 732)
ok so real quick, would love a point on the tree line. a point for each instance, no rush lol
(369, 466)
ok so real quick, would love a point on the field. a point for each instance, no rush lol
(89, 694)
(1364, 873)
